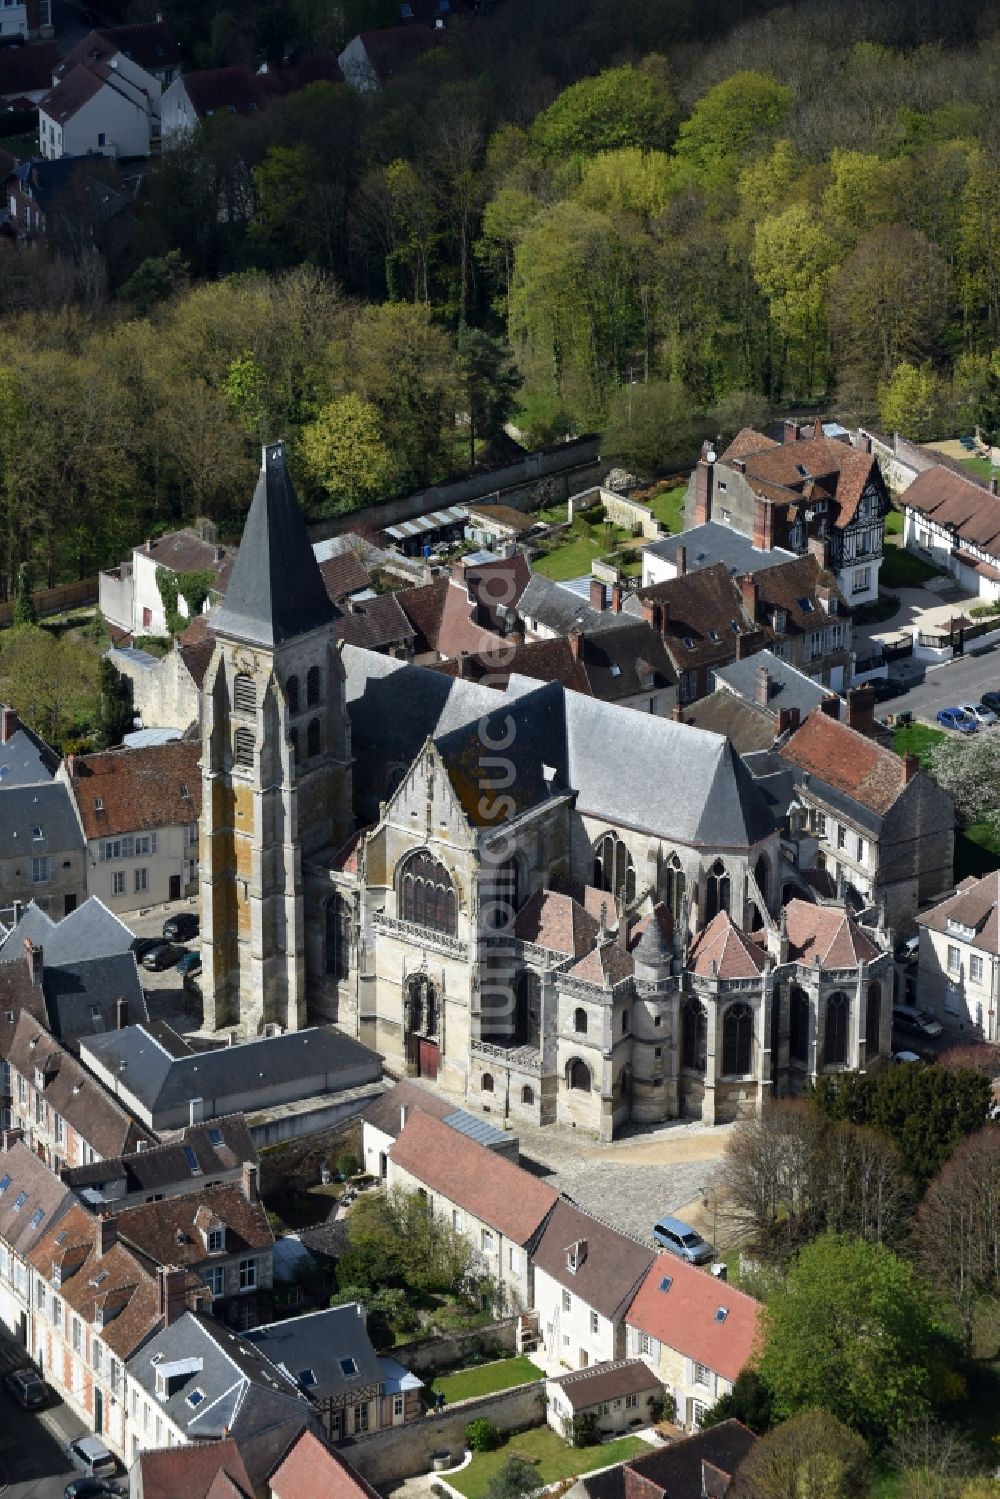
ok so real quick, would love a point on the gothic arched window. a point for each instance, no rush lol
(426, 893)
(292, 693)
(798, 1026)
(737, 1041)
(835, 1032)
(580, 1021)
(312, 686)
(578, 1076)
(613, 868)
(312, 739)
(674, 886)
(717, 890)
(694, 1035)
(873, 1020)
(338, 937)
(527, 1008)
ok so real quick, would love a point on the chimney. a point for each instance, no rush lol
(575, 638)
(788, 721)
(790, 430)
(9, 722)
(762, 687)
(678, 713)
(121, 1013)
(251, 1184)
(861, 709)
(763, 524)
(170, 1284)
(616, 598)
(34, 957)
(651, 613)
(404, 1114)
(597, 595)
(681, 560)
(830, 706)
(462, 661)
(817, 546)
(703, 485)
(107, 1227)
(911, 764)
(748, 588)
(744, 647)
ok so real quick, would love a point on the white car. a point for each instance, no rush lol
(982, 715)
(906, 1056)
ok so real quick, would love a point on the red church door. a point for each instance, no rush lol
(428, 1056)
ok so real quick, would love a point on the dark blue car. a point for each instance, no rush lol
(954, 718)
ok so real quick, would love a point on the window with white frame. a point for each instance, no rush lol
(118, 882)
(456, 1220)
(861, 580)
(248, 1275)
(702, 1375)
(841, 835)
(819, 824)
(862, 850)
(954, 959)
(397, 1406)
(215, 1280)
(976, 968)
(698, 1409)
(486, 1241)
(567, 1301)
(141, 880)
(41, 870)
(216, 1240)
(631, 1401)
(595, 1322)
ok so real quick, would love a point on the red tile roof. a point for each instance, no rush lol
(192, 1470)
(685, 1317)
(833, 469)
(722, 950)
(606, 965)
(139, 789)
(170, 1232)
(702, 605)
(310, 1469)
(492, 1189)
(846, 760)
(827, 933)
(556, 921)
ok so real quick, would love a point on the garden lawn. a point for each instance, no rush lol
(570, 561)
(668, 507)
(894, 522)
(981, 467)
(486, 1379)
(901, 569)
(552, 1458)
(977, 850)
(917, 739)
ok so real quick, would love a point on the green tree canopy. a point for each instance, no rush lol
(911, 401)
(626, 106)
(852, 1332)
(652, 426)
(343, 452)
(727, 125)
(812, 1454)
(407, 368)
(24, 603)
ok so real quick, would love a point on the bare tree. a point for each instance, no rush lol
(958, 1226)
(933, 1457)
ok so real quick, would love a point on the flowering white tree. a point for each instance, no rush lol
(969, 768)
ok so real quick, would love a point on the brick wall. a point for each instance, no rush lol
(433, 1354)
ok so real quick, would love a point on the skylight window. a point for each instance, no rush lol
(307, 1377)
(215, 1136)
(37, 1217)
(348, 1366)
(61, 1237)
(192, 1160)
(100, 1278)
(713, 635)
(98, 804)
(37, 834)
(4, 1184)
(689, 642)
(735, 624)
(666, 1283)
(19, 1201)
(721, 1313)
(184, 789)
(616, 670)
(195, 1398)
(805, 605)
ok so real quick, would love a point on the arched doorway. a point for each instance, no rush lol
(422, 1020)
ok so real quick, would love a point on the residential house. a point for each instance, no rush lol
(694, 1331)
(32, 1201)
(145, 48)
(26, 18)
(203, 1470)
(55, 1105)
(958, 962)
(701, 1466)
(704, 624)
(585, 1276)
(90, 931)
(874, 821)
(25, 758)
(166, 690)
(139, 811)
(952, 520)
(811, 494)
(378, 622)
(498, 1208)
(548, 610)
(198, 96)
(42, 849)
(166, 1084)
(371, 58)
(220, 1234)
(43, 196)
(470, 610)
(386, 1116)
(129, 594)
(704, 546)
(105, 95)
(93, 1306)
(329, 1355)
(310, 1467)
(609, 1398)
(203, 1154)
(195, 1381)
(758, 701)
(25, 72)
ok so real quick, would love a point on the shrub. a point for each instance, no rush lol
(585, 1433)
(482, 1436)
(347, 1164)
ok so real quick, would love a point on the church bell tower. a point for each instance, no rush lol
(276, 764)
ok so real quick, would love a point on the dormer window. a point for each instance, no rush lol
(959, 929)
(39, 1079)
(216, 1240)
(37, 834)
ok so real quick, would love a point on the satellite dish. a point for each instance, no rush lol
(710, 456)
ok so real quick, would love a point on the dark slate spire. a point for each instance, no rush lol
(276, 590)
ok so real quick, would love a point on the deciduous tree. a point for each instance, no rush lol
(811, 1454)
(343, 452)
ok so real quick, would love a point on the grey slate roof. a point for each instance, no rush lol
(746, 726)
(712, 542)
(161, 1081)
(81, 998)
(480, 1130)
(315, 1344)
(26, 760)
(276, 590)
(35, 926)
(790, 688)
(91, 931)
(45, 805)
(559, 608)
(220, 1146)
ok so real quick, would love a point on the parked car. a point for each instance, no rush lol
(87, 1488)
(955, 718)
(922, 1022)
(182, 927)
(92, 1457)
(190, 963)
(165, 955)
(992, 700)
(27, 1387)
(983, 715)
(906, 1056)
(142, 945)
(680, 1238)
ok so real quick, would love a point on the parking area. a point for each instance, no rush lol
(166, 995)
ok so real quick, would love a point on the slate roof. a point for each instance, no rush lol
(193, 1470)
(846, 760)
(276, 590)
(185, 551)
(246, 1397)
(138, 789)
(585, 1388)
(383, 1113)
(316, 1343)
(45, 805)
(374, 623)
(827, 933)
(91, 931)
(161, 1080)
(169, 1232)
(510, 1200)
(685, 1317)
(310, 1467)
(696, 1467)
(611, 665)
(559, 609)
(974, 906)
(712, 542)
(35, 926)
(958, 503)
(25, 759)
(610, 1265)
(748, 727)
(45, 1199)
(789, 687)
(221, 1146)
(27, 70)
(700, 610)
(70, 1090)
(722, 950)
(147, 43)
(81, 999)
